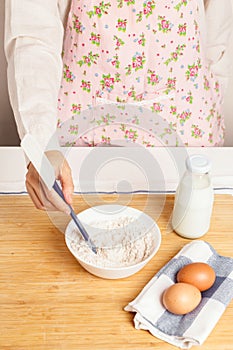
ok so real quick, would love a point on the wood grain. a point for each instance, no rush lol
(48, 301)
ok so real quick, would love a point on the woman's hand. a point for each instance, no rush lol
(43, 198)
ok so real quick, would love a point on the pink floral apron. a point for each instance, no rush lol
(136, 71)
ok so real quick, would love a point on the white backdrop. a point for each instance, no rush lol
(123, 169)
(8, 133)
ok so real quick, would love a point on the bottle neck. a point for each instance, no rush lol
(197, 180)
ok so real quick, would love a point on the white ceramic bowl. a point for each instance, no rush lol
(112, 212)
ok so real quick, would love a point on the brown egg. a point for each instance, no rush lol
(200, 275)
(181, 298)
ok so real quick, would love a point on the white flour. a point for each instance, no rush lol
(126, 241)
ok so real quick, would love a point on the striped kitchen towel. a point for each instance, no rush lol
(193, 328)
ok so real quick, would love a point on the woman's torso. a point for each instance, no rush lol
(149, 53)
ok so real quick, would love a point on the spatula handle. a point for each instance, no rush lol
(78, 223)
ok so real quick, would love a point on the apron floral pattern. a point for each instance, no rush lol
(147, 54)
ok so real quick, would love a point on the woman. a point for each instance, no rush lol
(119, 63)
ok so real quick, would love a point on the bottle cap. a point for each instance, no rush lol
(198, 163)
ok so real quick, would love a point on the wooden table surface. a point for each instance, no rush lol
(48, 301)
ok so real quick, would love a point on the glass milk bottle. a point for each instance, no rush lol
(194, 199)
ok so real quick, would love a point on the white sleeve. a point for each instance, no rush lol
(219, 24)
(33, 46)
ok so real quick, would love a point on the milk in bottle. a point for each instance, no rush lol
(194, 199)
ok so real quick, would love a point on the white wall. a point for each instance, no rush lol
(8, 133)
(123, 169)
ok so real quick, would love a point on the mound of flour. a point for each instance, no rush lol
(122, 242)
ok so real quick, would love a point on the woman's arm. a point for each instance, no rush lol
(33, 45)
(219, 24)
